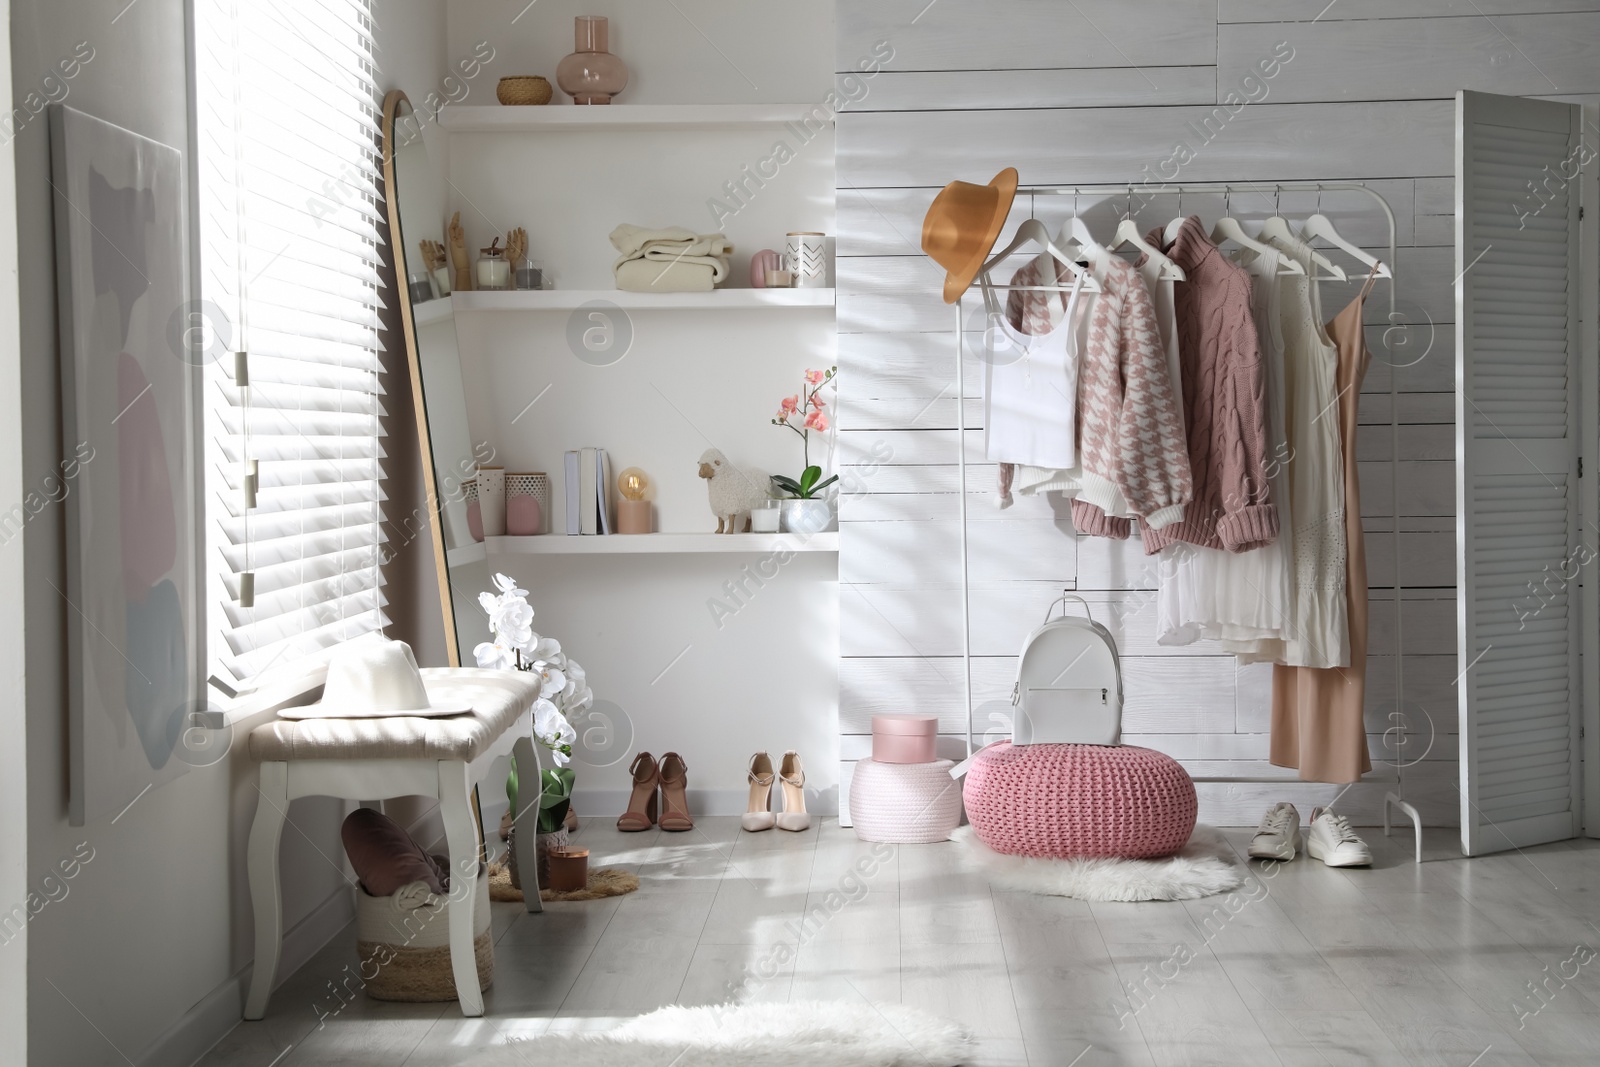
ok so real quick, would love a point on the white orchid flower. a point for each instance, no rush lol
(554, 680)
(489, 603)
(495, 656)
(548, 649)
(553, 730)
(508, 586)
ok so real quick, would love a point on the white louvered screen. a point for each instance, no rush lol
(1517, 403)
(288, 119)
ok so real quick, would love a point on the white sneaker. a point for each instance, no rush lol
(1278, 837)
(1333, 842)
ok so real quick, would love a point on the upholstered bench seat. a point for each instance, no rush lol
(395, 756)
(1060, 801)
(496, 698)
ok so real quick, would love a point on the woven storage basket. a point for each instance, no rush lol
(1061, 801)
(523, 89)
(405, 939)
(904, 803)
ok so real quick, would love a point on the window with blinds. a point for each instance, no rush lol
(287, 119)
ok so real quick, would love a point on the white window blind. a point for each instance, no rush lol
(288, 117)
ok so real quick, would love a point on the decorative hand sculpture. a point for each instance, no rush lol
(516, 246)
(432, 254)
(458, 254)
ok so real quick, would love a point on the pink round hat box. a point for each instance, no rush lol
(904, 738)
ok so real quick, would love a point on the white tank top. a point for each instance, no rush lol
(1030, 396)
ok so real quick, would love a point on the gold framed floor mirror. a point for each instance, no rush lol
(414, 199)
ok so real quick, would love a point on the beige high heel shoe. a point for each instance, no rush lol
(675, 794)
(759, 814)
(794, 815)
(641, 813)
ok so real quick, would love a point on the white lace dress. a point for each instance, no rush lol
(1317, 633)
(1239, 599)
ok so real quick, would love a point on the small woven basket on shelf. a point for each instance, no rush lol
(523, 89)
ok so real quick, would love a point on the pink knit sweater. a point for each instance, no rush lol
(1224, 401)
(1129, 434)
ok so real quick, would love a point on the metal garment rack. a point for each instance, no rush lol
(1395, 798)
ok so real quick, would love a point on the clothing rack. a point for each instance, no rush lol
(1393, 799)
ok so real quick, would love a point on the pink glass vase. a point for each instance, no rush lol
(591, 74)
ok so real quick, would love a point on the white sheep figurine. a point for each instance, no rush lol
(733, 492)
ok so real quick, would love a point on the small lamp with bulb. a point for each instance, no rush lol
(633, 511)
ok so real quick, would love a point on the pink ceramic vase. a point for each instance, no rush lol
(591, 74)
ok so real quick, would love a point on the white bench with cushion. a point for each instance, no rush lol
(396, 756)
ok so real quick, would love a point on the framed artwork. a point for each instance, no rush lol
(130, 468)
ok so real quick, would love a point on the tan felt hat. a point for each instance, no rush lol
(962, 224)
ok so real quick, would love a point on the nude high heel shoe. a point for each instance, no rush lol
(759, 814)
(793, 776)
(675, 794)
(641, 813)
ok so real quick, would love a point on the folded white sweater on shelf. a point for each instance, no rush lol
(671, 244)
(653, 276)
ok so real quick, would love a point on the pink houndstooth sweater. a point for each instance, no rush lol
(1129, 434)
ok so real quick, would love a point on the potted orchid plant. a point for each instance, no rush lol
(807, 511)
(564, 692)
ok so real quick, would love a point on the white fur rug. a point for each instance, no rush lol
(1203, 867)
(801, 1034)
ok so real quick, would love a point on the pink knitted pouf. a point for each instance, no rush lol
(1079, 800)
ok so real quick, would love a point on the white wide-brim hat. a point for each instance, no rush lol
(372, 677)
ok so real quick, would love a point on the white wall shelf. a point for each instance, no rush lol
(431, 311)
(635, 544)
(556, 118)
(716, 300)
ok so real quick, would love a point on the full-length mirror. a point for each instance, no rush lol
(417, 226)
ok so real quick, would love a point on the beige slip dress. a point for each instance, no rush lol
(1318, 712)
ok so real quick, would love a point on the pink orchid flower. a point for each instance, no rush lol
(790, 403)
(817, 403)
(816, 421)
(814, 377)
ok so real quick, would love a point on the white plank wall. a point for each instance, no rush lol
(1100, 92)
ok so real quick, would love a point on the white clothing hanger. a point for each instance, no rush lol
(1277, 229)
(1228, 229)
(1319, 225)
(1035, 231)
(1170, 234)
(1075, 231)
(1128, 234)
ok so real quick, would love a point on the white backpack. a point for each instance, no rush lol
(1069, 683)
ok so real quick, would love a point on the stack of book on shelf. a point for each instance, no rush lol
(588, 492)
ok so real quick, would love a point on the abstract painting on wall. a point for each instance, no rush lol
(130, 467)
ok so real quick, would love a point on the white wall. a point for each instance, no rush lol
(767, 676)
(1100, 92)
(165, 892)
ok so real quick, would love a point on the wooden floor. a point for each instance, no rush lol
(1398, 964)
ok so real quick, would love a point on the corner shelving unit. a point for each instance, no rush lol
(494, 122)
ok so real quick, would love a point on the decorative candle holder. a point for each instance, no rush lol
(494, 270)
(526, 507)
(805, 255)
(492, 500)
(569, 868)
